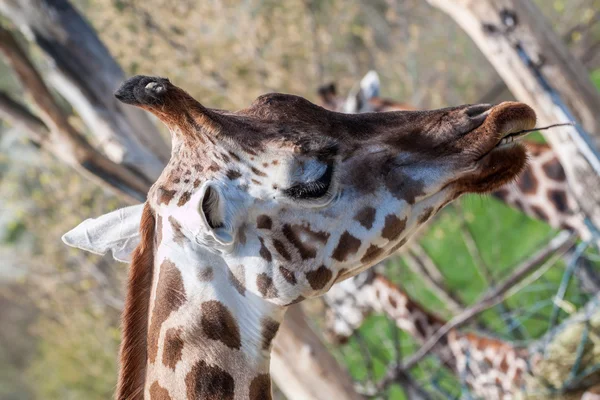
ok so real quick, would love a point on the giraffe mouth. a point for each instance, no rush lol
(518, 130)
(511, 121)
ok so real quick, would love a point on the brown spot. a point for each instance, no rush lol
(173, 348)
(266, 165)
(233, 174)
(185, 197)
(197, 167)
(165, 195)
(366, 217)
(554, 170)
(393, 227)
(176, 180)
(265, 286)
(196, 183)
(186, 181)
(264, 222)
(209, 382)
(519, 205)
(269, 329)
(403, 187)
(372, 253)
(426, 214)
(234, 156)
(258, 172)
(288, 275)
(238, 282)
(298, 300)
(242, 235)
(206, 274)
(275, 162)
(527, 182)
(159, 232)
(319, 277)
(307, 248)
(539, 213)
(158, 392)
(170, 295)
(225, 158)
(264, 252)
(255, 182)
(280, 247)
(501, 194)
(214, 167)
(178, 236)
(559, 199)
(260, 388)
(218, 324)
(347, 245)
(392, 301)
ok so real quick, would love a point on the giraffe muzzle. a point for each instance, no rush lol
(143, 90)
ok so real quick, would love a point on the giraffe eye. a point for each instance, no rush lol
(313, 189)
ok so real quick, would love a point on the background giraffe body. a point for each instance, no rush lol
(492, 368)
(267, 206)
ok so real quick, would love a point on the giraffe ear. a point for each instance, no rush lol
(357, 100)
(370, 85)
(214, 214)
(117, 231)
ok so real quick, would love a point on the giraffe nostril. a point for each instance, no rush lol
(477, 109)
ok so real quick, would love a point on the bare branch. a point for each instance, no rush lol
(67, 143)
(19, 116)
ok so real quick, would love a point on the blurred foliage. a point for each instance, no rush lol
(58, 330)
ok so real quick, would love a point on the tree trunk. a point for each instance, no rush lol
(539, 71)
(82, 70)
(302, 366)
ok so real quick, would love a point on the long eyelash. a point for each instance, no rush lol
(314, 189)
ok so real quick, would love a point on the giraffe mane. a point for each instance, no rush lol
(134, 321)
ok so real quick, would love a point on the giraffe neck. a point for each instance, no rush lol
(491, 367)
(208, 338)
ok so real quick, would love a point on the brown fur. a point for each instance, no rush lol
(133, 353)
(260, 388)
(366, 217)
(319, 277)
(347, 245)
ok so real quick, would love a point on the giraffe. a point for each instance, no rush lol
(264, 207)
(492, 368)
(541, 191)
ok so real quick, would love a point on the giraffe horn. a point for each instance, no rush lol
(171, 104)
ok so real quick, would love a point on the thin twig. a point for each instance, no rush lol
(421, 264)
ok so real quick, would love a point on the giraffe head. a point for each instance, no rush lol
(300, 197)
(264, 207)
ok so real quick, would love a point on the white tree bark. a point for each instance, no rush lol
(82, 70)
